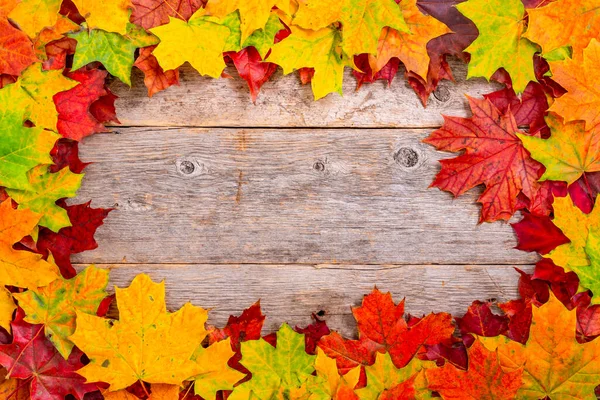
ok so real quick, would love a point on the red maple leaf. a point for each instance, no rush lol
(152, 13)
(75, 121)
(103, 109)
(252, 69)
(155, 78)
(538, 233)
(34, 358)
(16, 50)
(74, 239)
(66, 153)
(313, 333)
(365, 75)
(480, 320)
(493, 156)
(57, 52)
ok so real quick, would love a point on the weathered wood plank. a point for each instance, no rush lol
(292, 292)
(284, 102)
(282, 196)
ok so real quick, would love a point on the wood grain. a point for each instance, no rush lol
(284, 102)
(279, 196)
(292, 292)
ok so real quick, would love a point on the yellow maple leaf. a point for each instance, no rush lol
(579, 77)
(318, 49)
(317, 14)
(564, 23)
(253, 14)
(328, 383)
(554, 364)
(7, 307)
(157, 392)
(108, 15)
(214, 373)
(34, 15)
(18, 267)
(575, 225)
(180, 42)
(411, 47)
(63, 25)
(146, 344)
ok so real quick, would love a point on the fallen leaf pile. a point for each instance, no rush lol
(534, 147)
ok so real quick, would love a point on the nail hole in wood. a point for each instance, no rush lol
(442, 93)
(321, 313)
(187, 167)
(406, 157)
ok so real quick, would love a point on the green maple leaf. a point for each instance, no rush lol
(275, 370)
(113, 50)
(21, 148)
(318, 49)
(199, 41)
(589, 276)
(261, 39)
(55, 305)
(500, 43)
(46, 189)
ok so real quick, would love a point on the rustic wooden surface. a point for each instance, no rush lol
(306, 205)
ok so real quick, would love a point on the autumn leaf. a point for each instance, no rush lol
(538, 233)
(262, 39)
(18, 267)
(7, 308)
(328, 384)
(500, 43)
(33, 358)
(410, 47)
(147, 343)
(214, 373)
(349, 353)
(151, 13)
(56, 305)
(315, 49)
(564, 23)
(108, 15)
(33, 94)
(16, 50)
(285, 367)
(383, 377)
(12, 389)
(155, 78)
(114, 51)
(554, 365)
(34, 15)
(46, 189)
(53, 33)
(178, 44)
(577, 76)
(21, 148)
(157, 392)
(589, 277)
(253, 15)
(568, 153)
(493, 156)
(575, 225)
(480, 320)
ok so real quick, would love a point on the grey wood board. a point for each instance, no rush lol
(285, 102)
(291, 293)
(279, 196)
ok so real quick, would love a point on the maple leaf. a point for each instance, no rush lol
(409, 47)
(575, 225)
(501, 25)
(108, 15)
(589, 277)
(564, 23)
(252, 69)
(214, 373)
(77, 238)
(262, 39)
(46, 189)
(18, 267)
(577, 76)
(7, 308)
(484, 379)
(349, 353)
(57, 52)
(103, 109)
(568, 153)
(147, 343)
(16, 50)
(493, 156)
(151, 13)
(21, 148)
(328, 384)
(50, 34)
(32, 357)
(283, 368)
(34, 92)
(538, 233)
(157, 392)
(554, 365)
(75, 120)
(114, 51)
(34, 15)
(178, 44)
(315, 49)
(55, 306)
(155, 78)
(253, 15)
(480, 320)
(385, 381)
(12, 389)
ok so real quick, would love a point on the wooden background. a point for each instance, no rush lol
(305, 205)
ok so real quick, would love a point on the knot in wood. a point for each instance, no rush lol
(187, 167)
(319, 166)
(442, 94)
(406, 157)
